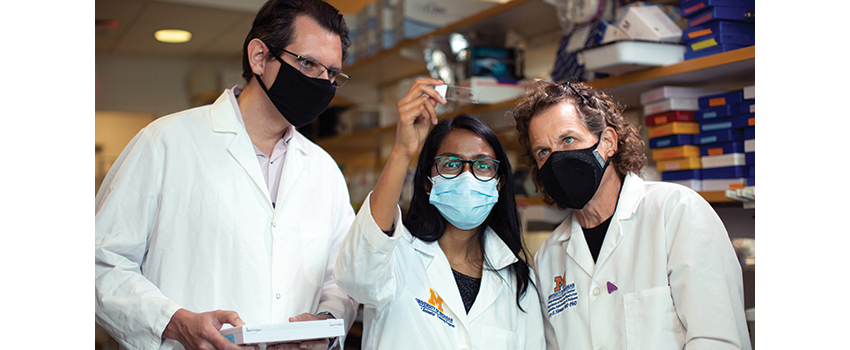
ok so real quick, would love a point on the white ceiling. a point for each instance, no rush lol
(218, 26)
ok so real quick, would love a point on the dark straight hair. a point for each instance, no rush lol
(426, 223)
(275, 26)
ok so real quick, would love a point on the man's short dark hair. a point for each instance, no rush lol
(275, 25)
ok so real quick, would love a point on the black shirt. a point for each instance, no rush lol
(595, 236)
(468, 287)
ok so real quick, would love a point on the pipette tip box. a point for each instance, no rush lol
(725, 135)
(285, 332)
(721, 148)
(693, 7)
(671, 140)
(721, 99)
(681, 175)
(669, 117)
(715, 13)
(676, 92)
(723, 160)
(738, 122)
(724, 172)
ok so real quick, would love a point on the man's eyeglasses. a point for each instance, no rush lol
(314, 69)
(483, 169)
(567, 84)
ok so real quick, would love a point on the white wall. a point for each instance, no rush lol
(154, 84)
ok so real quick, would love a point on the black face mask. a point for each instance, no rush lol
(571, 178)
(298, 97)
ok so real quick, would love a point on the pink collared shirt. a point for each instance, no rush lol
(271, 166)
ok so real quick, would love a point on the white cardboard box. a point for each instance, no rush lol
(650, 23)
(676, 91)
(721, 184)
(749, 146)
(671, 104)
(492, 91)
(424, 16)
(723, 160)
(285, 332)
(693, 184)
(627, 56)
(750, 92)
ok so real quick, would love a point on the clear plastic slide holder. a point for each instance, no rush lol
(457, 93)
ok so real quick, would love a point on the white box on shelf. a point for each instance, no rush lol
(650, 23)
(424, 16)
(721, 184)
(693, 184)
(392, 22)
(628, 56)
(750, 92)
(284, 332)
(749, 146)
(492, 91)
(723, 160)
(671, 104)
(677, 91)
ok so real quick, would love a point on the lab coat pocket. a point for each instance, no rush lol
(497, 338)
(315, 252)
(651, 320)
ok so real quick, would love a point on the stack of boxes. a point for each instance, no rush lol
(749, 106)
(383, 24)
(671, 128)
(723, 121)
(716, 26)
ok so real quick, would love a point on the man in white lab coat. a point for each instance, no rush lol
(225, 214)
(636, 264)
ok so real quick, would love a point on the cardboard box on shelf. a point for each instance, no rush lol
(492, 91)
(650, 23)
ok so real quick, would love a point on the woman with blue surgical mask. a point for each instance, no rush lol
(452, 273)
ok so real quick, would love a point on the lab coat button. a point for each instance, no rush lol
(595, 293)
(273, 224)
(277, 295)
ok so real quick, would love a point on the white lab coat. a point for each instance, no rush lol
(184, 220)
(675, 279)
(394, 276)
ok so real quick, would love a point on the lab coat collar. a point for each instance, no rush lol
(224, 120)
(493, 278)
(570, 230)
(497, 252)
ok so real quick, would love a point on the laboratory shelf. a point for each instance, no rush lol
(390, 65)
(728, 70)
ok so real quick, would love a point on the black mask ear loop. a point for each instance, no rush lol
(603, 163)
(262, 85)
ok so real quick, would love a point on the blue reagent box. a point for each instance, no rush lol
(725, 135)
(671, 141)
(721, 99)
(693, 174)
(738, 122)
(722, 148)
(710, 113)
(729, 172)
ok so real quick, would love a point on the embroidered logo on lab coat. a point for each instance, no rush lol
(563, 297)
(434, 307)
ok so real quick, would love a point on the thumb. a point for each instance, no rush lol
(230, 317)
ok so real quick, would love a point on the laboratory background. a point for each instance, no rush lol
(684, 70)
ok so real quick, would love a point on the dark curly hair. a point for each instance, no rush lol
(599, 112)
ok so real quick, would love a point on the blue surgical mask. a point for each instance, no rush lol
(464, 200)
